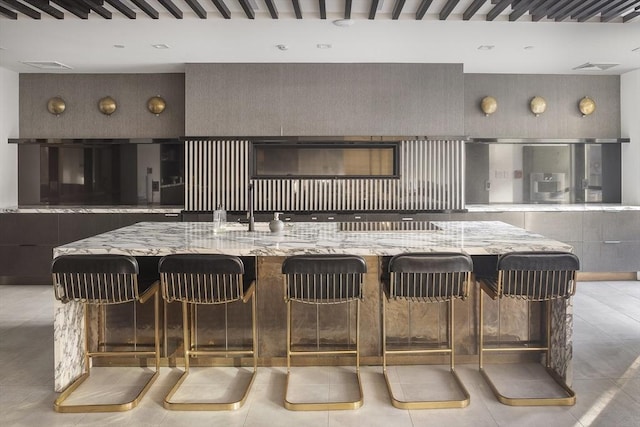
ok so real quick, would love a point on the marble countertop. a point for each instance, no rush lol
(158, 239)
(584, 207)
(92, 209)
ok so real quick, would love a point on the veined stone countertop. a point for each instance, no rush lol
(159, 239)
(585, 207)
(91, 209)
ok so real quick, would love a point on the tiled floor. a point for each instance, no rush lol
(606, 377)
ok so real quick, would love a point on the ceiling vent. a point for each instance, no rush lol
(47, 65)
(588, 66)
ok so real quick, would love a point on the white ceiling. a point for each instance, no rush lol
(87, 46)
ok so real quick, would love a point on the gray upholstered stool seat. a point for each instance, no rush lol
(426, 278)
(101, 280)
(531, 277)
(321, 280)
(208, 279)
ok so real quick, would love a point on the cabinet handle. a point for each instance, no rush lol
(407, 219)
(612, 242)
(330, 218)
(357, 217)
(171, 214)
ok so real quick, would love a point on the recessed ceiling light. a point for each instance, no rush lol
(588, 66)
(118, 46)
(486, 47)
(529, 47)
(47, 65)
(343, 22)
(282, 46)
(323, 46)
(636, 50)
(160, 46)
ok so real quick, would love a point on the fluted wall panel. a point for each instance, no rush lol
(431, 178)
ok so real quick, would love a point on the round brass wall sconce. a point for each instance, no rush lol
(156, 105)
(587, 106)
(56, 105)
(538, 105)
(107, 105)
(489, 105)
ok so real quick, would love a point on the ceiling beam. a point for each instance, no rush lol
(347, 9)
(273, 11)
(222, 8)
(46, 8)
(422, 9)
(120, 7)
(586, 6)
(297, 9)
(397, 9)
(373, 9)
(72, 9)
(590, 10)
(448, 8)
(197, 8)
(8, 13)
(323, 9)
(558, 6)
(497, 9)
(146, 8)
(631, 15)
(472, 9)
(615, 11)
(19, 7)
(566, 11)
(248, 10)
(542, 10)
(106, 14)
(170, 6)
(80, 5)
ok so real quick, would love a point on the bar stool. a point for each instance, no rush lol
(426, 278)
(531, 277)
(205, 279)
(101, 280)
(320, 280)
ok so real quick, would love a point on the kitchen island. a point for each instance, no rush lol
(483, 240)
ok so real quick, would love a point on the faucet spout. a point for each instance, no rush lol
(250, 211)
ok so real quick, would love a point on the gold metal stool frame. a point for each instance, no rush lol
(531, 277)
(427, 278)
(323, 280)
(195, 279)
(103, 280)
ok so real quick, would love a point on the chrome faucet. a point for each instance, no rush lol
(250, 211)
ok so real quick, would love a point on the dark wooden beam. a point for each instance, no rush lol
(373, 9)
(98, 9)
(497, 9)
(146, 8)
(72, 8)
(566, 10)
(584, 7)
(273, 11)
(615, 11)
(422, 9)
(542, 10)
(222, 8)
(197, 8)
(397, 9)
(347, 9)
(519, 9)
(8, 13)
(46, 8)
(590, 10)
(630, 16)
(19, 7)
(448, 8)
(323, 9)
(80, 5)
(296, 9)
(171, 7)
(248, 10)
(472, 9)
(120, 7)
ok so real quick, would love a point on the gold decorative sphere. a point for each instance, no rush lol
(587, 106)
(489, 105)
(538, 105)
(107, 105)
(156, 105)
(56, 105)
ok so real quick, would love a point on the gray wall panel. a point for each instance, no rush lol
(562, 119)
(324, 99)
(82, 119)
